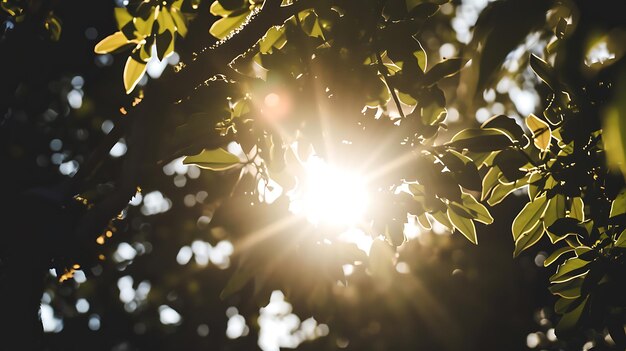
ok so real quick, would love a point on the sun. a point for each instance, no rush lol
(331, 195)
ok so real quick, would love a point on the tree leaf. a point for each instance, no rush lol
(528, 239)
(478, 210)
(577, 209)
(490, 181)
(507, 125)
(224, 26)
(275, 37)
(442, 218)
(618, 206)
(570, 289)
(133, 71)
(122, 16)
(556, 254)
(463, 225)
(424, 222)
(570, 269)
(480, 140)
(561, 28)
(111, 43)
(621, 240)
(500, 192)
(216, 160)
(555, 209)
(443, 69)
(541, 132)
(544, 71)
(528, 217)
(570, 319)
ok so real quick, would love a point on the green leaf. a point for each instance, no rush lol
(223, 27)
(500, 192)
(424, 222)
(577, 209)
(217, 9)
(556, 254)
(442, 218)
(621, 240)
(569, 289)
(216, 160)
(528, 239)
(232, 5)
(507, 125)
(490, 181)
(480, 140)
(463, 168)
(555, 209)
(443, 69)
(541, 132)
(528, 217)
(561, 28)
(133, 71)
(463, 225)
(111, 43)
(572, 268)
(275, 37)
(618, 206)
(570, 319)
(544, 71)
(563, 305)
(478, 210)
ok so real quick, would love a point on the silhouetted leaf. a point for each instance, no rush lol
(480, 140)
(443, 69)
(544, 71)
(507, 125)
(570, 319)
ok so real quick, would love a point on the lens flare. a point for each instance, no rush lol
(330, 195)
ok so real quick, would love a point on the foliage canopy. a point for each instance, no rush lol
(359, 85)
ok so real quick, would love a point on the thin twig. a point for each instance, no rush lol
(385, 72)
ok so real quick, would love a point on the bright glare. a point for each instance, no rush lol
(331, 195)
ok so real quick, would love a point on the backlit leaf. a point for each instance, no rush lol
(571, 268)
(541, 132)
(224, 26)
(478, 210)
(577, 209)
(133, 71)
(463, 225)
(528, 217)
(111, 43)
(554, 210)
(528, 239)
(216, 160)
(556, 254)
(618, 206)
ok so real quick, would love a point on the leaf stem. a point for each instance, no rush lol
(385, 73)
